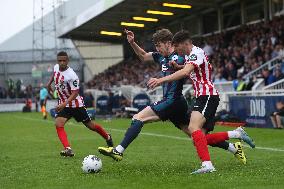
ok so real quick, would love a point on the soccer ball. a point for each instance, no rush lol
(92, 164)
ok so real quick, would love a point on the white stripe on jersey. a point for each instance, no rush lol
(201, 75)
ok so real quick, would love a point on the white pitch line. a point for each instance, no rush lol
(151, 134)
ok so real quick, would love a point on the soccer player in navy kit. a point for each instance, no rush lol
(172, 107)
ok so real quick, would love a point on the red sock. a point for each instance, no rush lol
(99, 129)
(200, 144)
(215, 138)
(62, 136)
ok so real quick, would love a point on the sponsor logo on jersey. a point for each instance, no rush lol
(164, 68)
(192, 57)
(75, 83)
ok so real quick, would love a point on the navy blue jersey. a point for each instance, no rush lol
(171, 89)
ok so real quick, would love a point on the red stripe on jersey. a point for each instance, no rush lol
(69, 88)
(57, 77)
(77, 103)
(61, 97)
(210, 71)
(205, 82)
(196, 70)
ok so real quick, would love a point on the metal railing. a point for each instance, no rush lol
(268, 65)
(276, 85)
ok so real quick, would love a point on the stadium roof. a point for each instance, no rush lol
(108, 15)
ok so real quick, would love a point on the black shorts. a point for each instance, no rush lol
(79, 114)
(175, 110)
(207, 106)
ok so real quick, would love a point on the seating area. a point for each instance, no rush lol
(232, 53)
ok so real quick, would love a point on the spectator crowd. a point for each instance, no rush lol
(232, 53)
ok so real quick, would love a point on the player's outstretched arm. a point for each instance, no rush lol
(143, 56)
(154, 82)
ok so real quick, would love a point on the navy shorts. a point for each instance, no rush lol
(175, 110)
(79, 114)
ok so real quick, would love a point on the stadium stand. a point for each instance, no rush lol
(233, 53)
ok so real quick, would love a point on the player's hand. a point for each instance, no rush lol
(153, 83)
(129, 35)
(174, 64)
(49, 89)
(60, 107)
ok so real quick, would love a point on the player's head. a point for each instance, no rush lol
(62, 59)
(182, 42)
(162, 40)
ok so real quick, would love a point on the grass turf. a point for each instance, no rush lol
(161, 157)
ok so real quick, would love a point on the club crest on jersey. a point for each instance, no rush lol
(175, 58)
(192, 57)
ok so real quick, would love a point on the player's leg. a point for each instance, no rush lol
(238, 133)
(44, 113)
(273, 120)
(279, 121)
(197, 121)
(100, 130)
(41, 107)
(180, 117)
(81, 115)
(204, 109)
(138, 120)
(59, 124)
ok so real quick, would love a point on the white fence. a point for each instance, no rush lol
(268, 65)
(277, 85)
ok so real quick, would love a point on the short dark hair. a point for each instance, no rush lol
(181, 36)
(162, 35)
(62, 53)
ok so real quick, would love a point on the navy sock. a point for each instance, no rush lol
(224, 145)
(132, 132)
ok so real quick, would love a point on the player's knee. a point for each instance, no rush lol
(138, 117)
(59, 125)
(194, 126)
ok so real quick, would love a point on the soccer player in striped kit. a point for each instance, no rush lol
(70, 103)
(199, 70)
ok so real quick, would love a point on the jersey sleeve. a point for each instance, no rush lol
(156, 56)
(55, 68)
(74, 82)
(195, 59)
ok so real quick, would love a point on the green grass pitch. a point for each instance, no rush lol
(161, 157)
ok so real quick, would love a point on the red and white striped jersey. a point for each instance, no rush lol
(201, 75)
(65, 82)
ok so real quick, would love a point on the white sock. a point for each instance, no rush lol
(120, 149)
(232, 148)
(234, 134)
(207, 164)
